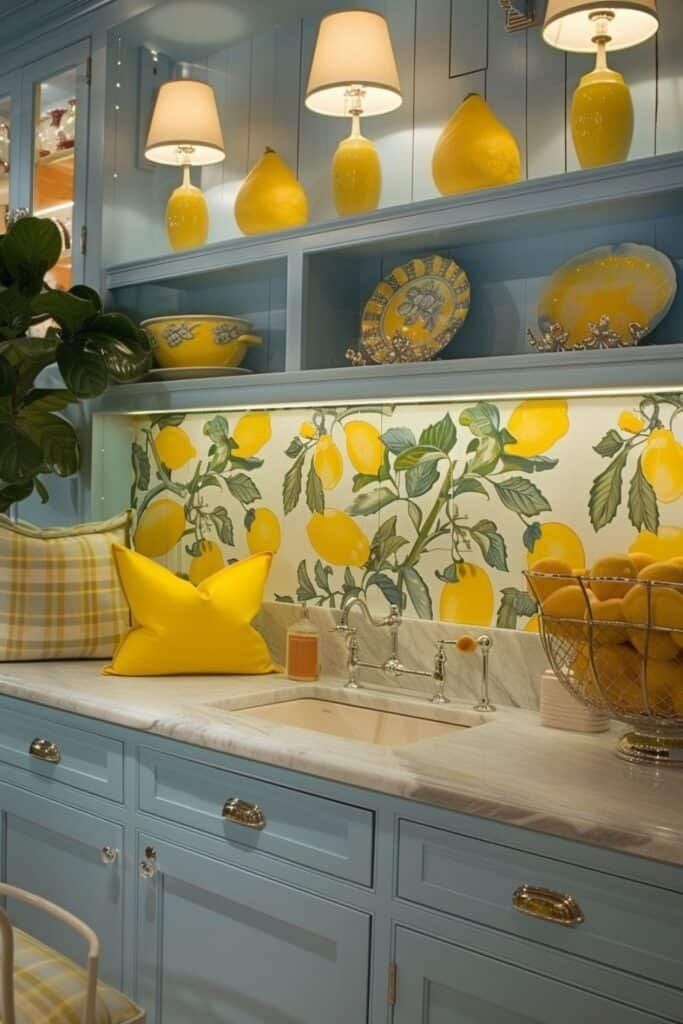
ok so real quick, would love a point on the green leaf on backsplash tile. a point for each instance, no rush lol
(291, 485)
(168, 419)
(469, 485)
(514, 604)
(385, 543)
(217, 430)
(194, 550)
(372, 501)
(222, 524)
(141, 468)
(295, 447)
(415, 514)
(488, 451)
(449, 574)
(322, 575)
(442, 435)
(642, 503)
(249, 517)
(387, 586)
(518, 464)
(521, 496)
(420, 479)
(397, 439)
(362, 480)
(610, 444)
(414, 456)
(315, 496)
(243, 488)
(284, 599)
(251, 463)
(418, 592)
(491, 543)
(483, 419)
(305, 591)
(605, 494)
(531, 535)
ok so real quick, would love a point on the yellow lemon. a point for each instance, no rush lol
(532, 625)
(619, 673)
(174, 447)
(611, 610)
(664, 684)
(639, 560)
(662, 465)
(571, 603)
(662, 607)
(251, 432)
(666, 544)
(264, 533)
(537, 424)
(539, 588)
(612, 565)
(328, 462)
(364, 447)
(207, 563)
(337, 538)
(558, 541)
(159, 528)
(631, 423)
(470, 600)
(307, 429)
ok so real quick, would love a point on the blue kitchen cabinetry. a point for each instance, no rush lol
(344, 905)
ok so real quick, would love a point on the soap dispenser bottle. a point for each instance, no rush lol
(303, 645)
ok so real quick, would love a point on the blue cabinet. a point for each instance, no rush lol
(440, 983)
(217, 943)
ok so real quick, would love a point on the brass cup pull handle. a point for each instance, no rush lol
(148, 866)
(547, 905)
(242, 813)
(45, 750)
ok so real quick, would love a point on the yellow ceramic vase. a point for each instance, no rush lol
(602, 118)
(187, 216)
(356, 176)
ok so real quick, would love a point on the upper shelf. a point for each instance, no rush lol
(652, 187)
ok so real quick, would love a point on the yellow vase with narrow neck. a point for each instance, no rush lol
(356, 174)
(602, 118)
(187, 215)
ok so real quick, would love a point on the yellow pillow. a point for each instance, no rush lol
(185, 630)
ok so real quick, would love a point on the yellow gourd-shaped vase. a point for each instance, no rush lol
(187, 215)
(356, 174)
(602, 118)
(475, 150)
(271, 198)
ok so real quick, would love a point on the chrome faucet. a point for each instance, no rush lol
(392, 666)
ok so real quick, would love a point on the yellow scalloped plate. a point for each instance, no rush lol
(631, 284)
(415, 311)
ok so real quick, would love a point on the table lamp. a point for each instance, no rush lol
(353, 74)
(185, 131)
(602, 109)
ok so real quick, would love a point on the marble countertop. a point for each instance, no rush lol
(511, 769)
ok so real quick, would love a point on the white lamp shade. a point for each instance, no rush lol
(568, 25)
(353, 48)
(185, 126)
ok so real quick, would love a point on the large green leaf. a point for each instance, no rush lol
(315, 496)
(242, 487)
(305, 590)
(49, 399)
(30, 248)
(14, 493)
(222, 524)
(20, 456)
(118, 325)
(414, 456)
(387, 586)
(218, 431)
(371, 501)
(442, 435)
(421, 478)
(482, 419)
(609, 445)
(521, 496)
(82, 291)
(125, 364)
(513, 604)
(397, 439)
(291, 485)
(486, 454)
(8, 377)
(56, 439)
(605, 494)
(70, 311)
(418, 592)
(642, 503)
(84, 373)
(491, 543)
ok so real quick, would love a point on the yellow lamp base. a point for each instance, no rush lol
(356, 175)
(187, 216)
(602, 118)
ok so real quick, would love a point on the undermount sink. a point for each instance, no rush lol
(367, 724)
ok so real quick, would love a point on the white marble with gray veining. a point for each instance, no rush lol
(511, 769)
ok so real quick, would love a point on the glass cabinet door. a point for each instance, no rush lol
(56, 90)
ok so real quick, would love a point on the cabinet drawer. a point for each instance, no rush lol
(85, 760)
(308, 830)
(626, 924)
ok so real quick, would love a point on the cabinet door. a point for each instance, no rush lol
(440, 983)
(217, 943)
(56, 851)
(10, 169)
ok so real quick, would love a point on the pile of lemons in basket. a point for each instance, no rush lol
(618, 630)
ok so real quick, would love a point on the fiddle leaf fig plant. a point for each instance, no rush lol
(91, 348)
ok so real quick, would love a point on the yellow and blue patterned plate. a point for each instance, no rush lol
(415, 311)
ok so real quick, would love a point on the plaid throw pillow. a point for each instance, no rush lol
(59, 593)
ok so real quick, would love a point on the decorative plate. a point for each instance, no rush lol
(194, 372)
(608, 297)
(415, 311)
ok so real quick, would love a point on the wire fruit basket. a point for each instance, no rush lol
(623, 655)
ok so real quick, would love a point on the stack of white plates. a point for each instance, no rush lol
(562, 710)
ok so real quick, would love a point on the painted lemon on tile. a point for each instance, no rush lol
(666, 544)
(174, 447)
(559, 541)
(662, 465)
(251, 432)
(469, 601)
(328, 462)
(207, 563)
(307, 429)
(264, 533)
(160, 527)
(364, 447)
(628, 283)
(629, 422)
(537, 424)
(337, 538)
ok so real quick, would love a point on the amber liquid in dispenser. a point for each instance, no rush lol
(303, 643)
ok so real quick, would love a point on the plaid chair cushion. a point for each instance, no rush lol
(59, 593)
(50, 989)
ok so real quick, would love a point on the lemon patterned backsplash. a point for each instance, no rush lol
(436, 507)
